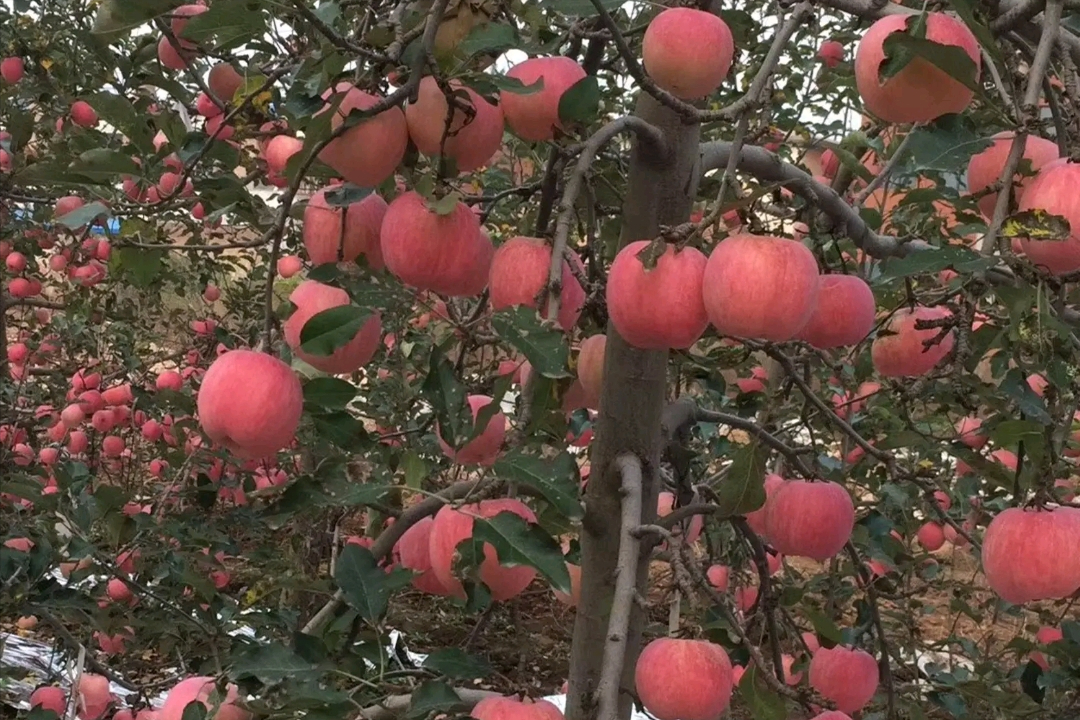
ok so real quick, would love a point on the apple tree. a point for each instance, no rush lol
(751, 333)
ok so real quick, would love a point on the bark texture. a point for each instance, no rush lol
(661, 188)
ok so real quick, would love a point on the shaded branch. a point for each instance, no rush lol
(622, 604)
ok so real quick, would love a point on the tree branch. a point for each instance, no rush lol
(879, 630)
(768, 167)
(622, 604)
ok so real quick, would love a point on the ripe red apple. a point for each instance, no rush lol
(1054, 191)
(574, 571)
(718, 576)
(687, 52)
(11, 70)
(967, 431)
(289, 265)
(179, 19)
(756, 519)
(1045, 636)
(367, 153)
(921, 91)
(67, 204)
(200, 688)
(931, 536)
(760, 287)
(848, 677)
(83, 115)
(279, 149)
(844, 313)
(452, 526)
(984, 168)
(811, 520)
(223, 80)
(49, 697)
(831, 53)
(326, 240)
(683, 679)
(471, 141)
(250, 402)
(661, 308)
(441, 253)
(484, 448)
(535, 116)
(519, 273)
(414, 553)
(902, 353)
(510, 708)
(590, 368)
(1031, 554)
(312, 298)
(93, 696)
(171, 56)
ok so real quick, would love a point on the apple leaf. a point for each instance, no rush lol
(331, 329)
(329, 393)
(557, 479)
(581, 102)
(518, 542)
(367, 587)
(902, 48)
(1036, 224)
(743, 489)
(543, 345)
(433, 697)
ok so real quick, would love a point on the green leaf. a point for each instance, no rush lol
(823, 625)
(743, 489)
(509, 84)
(946, 144)
(140, 265)
(1036, 225)
(1010, 433)
(518, 542)
(581, 101)
(433, 697)
(901, 48)
(447, 397)
(488, 37)
(1029, 682)
(445, 204)
(331, 329)
(543, 345)
(959, 258)
(329, 393)
(194, 710)
(415, 469)
(115, 15)
(229, 21)
(270, 664)
(104, 163)
(456, 663)
(367, 587)
(1014, 385)
(119, 112)
(557, 479)
(579, 8)
(79, 217)
(340, 428)
(763, 703)
(982, 33)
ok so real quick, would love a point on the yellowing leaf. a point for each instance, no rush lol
(1036, 225)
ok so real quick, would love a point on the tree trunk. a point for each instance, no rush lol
(661, 188)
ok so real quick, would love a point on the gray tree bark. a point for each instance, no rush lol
(661, 189)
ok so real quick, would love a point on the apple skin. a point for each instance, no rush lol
(683, 679)
(661, 308)
(251, 403)
(687, 52)
(921, 92)
(535, 117)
